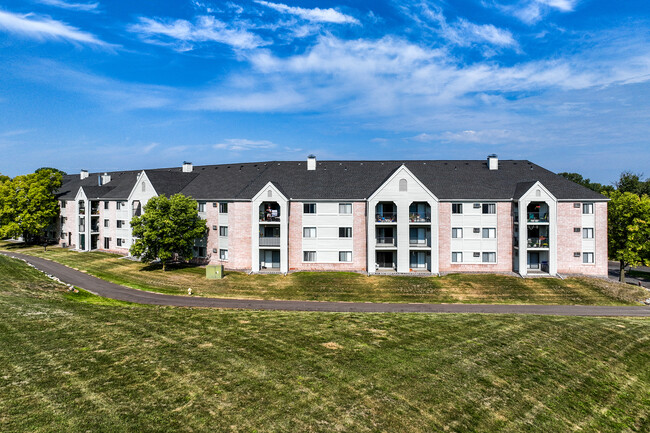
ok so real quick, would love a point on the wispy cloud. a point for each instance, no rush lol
(317, 15)
(242, 144)
(82, 7)
(532, 11)
(184, 35)
(44, 28)
(14, 132)
(461, 32)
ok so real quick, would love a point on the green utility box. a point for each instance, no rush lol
(214, 272)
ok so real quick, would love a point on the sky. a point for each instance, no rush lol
(109, 85)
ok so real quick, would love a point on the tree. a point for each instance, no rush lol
(28, 204)
(629, 230)
(56, 170)
(577, 178)
(631, 182)
(167, 229)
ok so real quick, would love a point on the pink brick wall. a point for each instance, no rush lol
(239, 235)
(504, 242)
(69, 227)
(359, 262)
(295, 236)
(569, 241)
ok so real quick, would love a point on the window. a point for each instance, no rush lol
(587, 208)
(223, 207)
(345, 232)
(489, 208)
(587, 233)
(63, 204)
(106, 205)
(62, 235)
(201, 206)
(106, 223)
(269, 193)
(457, 233)
(144, 187)
(403, 185)
(107, 243)
(120, 224)
(121, 204)
(476, 254)
(309, 232)
(345, 208)
(309, 208)
(476, 230)
(457, 257)
(457, 208)
(587, 257)
(119, 242)
(489, 233)
(201, 252)
(345, 256)
(223, 231)
(489, 257)
(223, 254)
(309, 256)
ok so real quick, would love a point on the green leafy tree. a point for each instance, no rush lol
(28, 204)
(167, 229)
(629, 229)
(632, 182)
(577, 178)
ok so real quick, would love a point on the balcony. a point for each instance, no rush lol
(269, 241)
(420, 218)
(266, 218)
(386, 217)
(537, 217)
(94, 229)
(94, 211)
(416, 242)
(385, 241)
(82, 211)
(541, 242)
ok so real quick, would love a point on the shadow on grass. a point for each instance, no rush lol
(174, 266)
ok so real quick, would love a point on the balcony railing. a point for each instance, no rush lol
(265, 217)
(386, 217)
(82, 211)
(537, 217)
(94, 211)
(420, 218)
(419, 242)
(269, 241)
(94, 228)
(541, 242)
(385, 240)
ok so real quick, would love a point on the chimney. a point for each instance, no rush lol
(187, 167)
(104, 179)
(493, 162)
(311, 162)
(83, 174)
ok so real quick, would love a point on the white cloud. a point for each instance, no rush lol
(461, 32)
(241, 144)
(315, 15)
(184, 33)
(532, 11)
(45, 28)
(486, 136)
(82, 7)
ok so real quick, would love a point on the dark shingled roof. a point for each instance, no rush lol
(447, 180)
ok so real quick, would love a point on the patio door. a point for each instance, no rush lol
(418, 260)
(269, 259)
(533, 260)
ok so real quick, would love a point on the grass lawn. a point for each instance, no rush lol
(343, 286)
(67, 364)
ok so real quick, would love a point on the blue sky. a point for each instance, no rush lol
(122, 85)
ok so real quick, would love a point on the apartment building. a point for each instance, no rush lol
(364, 216)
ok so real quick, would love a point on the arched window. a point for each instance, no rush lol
(403, 185)
(144, 187)
(269, 193)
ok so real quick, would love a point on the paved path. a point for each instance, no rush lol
(115, 291)
(615, 274)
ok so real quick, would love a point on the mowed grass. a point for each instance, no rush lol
(74, 366)
(342, 286)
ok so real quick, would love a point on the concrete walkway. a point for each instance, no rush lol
(115, 291)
